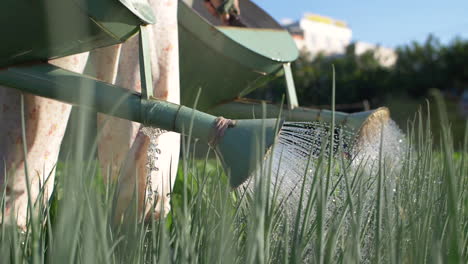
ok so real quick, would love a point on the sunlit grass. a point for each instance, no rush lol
(417, 214)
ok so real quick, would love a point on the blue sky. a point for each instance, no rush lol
(389, 23)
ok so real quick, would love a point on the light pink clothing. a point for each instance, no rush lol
(133, 143)
(45, 125)
(122, 147)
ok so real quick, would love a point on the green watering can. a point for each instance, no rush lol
(240, 148)
(42, 30)
(227, 62)
(46, 29)
(54, 28)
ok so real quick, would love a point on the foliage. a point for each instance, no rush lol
(419, 67)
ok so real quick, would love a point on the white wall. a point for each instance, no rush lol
(327, 38)
(386, 56)
(316, 34)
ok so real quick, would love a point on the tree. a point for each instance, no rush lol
(419, 67)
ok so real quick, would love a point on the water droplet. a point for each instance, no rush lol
(153, 152)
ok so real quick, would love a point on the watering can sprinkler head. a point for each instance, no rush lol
(367, 124)
(370, 123)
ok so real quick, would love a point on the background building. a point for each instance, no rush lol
(386, 56)
(316, 34)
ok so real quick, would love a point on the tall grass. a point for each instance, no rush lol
(417, 213)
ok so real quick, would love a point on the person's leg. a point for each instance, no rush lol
(122, 143)
(114, 138)
(45, 123)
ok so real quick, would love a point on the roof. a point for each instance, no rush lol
(325, 20)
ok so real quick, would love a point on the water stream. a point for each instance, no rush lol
(296, 164)
(152, 163)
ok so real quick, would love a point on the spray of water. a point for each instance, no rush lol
(299, 147)
(300, 141)
(297, 143)
(393, 146)
(152, 161)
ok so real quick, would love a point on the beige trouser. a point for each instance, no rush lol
(122, 146)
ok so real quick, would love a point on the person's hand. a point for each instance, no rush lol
(223, 9)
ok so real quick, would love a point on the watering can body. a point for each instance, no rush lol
(46, 29)
(226, 62)
(239, 160)
(57, 28)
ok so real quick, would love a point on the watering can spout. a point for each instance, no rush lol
(240, 144)
(243, 147)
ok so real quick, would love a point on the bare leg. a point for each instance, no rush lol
(45, 123)
(119, 135)
(112, 146)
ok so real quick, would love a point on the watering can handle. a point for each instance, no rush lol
(290, 87)
(145, 64)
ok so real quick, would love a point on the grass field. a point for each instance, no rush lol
(416, 213)
(403, 106)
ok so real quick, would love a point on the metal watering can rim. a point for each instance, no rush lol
(372, 124)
